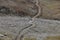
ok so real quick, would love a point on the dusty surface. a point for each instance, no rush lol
(12, 25)
(16, 14)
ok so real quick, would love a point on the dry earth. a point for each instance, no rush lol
(50, 9)
(10, 26)
(16, 14)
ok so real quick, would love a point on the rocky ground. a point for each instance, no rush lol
(15, 20)
(10, 27)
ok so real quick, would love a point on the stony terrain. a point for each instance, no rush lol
(11, 26)
(15, 20)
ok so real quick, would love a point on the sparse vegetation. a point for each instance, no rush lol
(52, 38)
(30, 39)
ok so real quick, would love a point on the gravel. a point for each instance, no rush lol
(12, 25)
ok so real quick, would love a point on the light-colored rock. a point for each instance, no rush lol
(1, 35)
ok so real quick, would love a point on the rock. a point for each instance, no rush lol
(1, 35)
